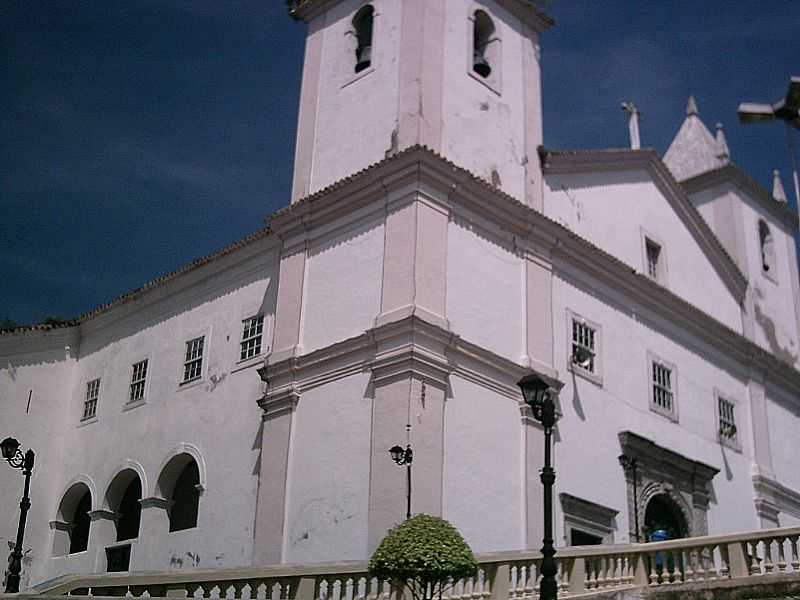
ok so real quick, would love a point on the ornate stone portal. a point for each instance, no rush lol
(686, 482)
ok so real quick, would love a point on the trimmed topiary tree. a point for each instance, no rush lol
(425, 555)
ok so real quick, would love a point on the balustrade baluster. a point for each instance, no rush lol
(651, 568)
(795, 556)
(591, 572)
(724, 561)
(532, 579)
(689, 573)
(768, 566)
(781, 554)
(755, 569)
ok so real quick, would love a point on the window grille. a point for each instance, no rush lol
(662, 388)
(583, 349)
(727, 420)
(193, 362)
(252, 332)
(92, 394)
(138, 378)
(653, 259)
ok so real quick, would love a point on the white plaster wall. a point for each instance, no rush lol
(329, 470)
(594, 415)
(775, 320)
(356, 113)
(45, 371)
(343, 285)
(483, 484)
(484, 291)
(783, 417)
(483, 129)
(613, 209)
(217, 414)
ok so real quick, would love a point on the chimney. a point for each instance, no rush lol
(777, 186)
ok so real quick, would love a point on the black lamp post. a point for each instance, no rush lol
(537, 394)
(404, 457)
(11, 452)
(629, 465)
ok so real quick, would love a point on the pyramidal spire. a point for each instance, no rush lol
(691, 107)
(723, 153)
(777, 186)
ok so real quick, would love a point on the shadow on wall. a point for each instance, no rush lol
(768, 327)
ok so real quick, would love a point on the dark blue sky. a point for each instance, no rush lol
(138, 135)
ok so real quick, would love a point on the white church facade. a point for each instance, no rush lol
(239, 411)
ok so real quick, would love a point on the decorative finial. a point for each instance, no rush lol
(777, 186)
(723, 153)
(633, 124)
(691, 107)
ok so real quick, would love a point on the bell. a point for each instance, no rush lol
(363, 58)
(480, 65)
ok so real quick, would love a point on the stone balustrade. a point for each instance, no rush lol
(501, 575)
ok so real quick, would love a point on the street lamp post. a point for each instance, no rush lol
(404, 456)
(629, 465)
(538, 395)
(14, 456)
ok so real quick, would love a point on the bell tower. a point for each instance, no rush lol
(461, 77)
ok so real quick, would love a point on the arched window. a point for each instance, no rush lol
(179, 483)
(482, 34)
(767, 248)
(362, 26)
(123, 497)
(72, 532)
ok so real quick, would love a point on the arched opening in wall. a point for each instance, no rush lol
(179, 483)
(767, 246)
(123, 498)
(664, 520)
(482, 33)
(362, 26)
(72, 527)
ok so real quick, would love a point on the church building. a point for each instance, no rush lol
(240, 410)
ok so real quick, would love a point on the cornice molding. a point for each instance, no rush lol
(409, 347)
(732, 174)
(588, 161)
(770, 493)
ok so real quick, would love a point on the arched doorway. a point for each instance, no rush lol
(664, 520)
(123, 498)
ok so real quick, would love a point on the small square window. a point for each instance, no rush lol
(138, 379)
(653, 252)
(252, 332)
(663, 388)
(583, 352)
(727, 421)
(193, 360)
(90, 403)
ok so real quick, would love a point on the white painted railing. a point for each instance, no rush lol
(501, 576)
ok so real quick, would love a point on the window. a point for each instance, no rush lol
(767, 249)
(587, 523)
(71, 527)
(662, 390)
(251, 337)
(193, 361)
(138, 378)
(90, 403)
(482, 31)
(362, 26)
(583, 353)
(653, 252)
(727, 421)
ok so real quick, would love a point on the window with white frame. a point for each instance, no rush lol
(727, 420)
(90, 402)
(662, 398)
(252, 332)
(138, 379)
(193, 360)
(583, 345)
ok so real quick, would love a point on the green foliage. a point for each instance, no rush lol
(6, 323)
(54, 321)
(425, 554)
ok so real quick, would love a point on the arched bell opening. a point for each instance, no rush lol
(179, 484)
(482, 34)
(362, 26)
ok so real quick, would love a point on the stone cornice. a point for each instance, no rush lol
(525, 10)
(656, 458)
(771, 493)
(411, 347)
(589, 511)
(588, 161)
(732, 174)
